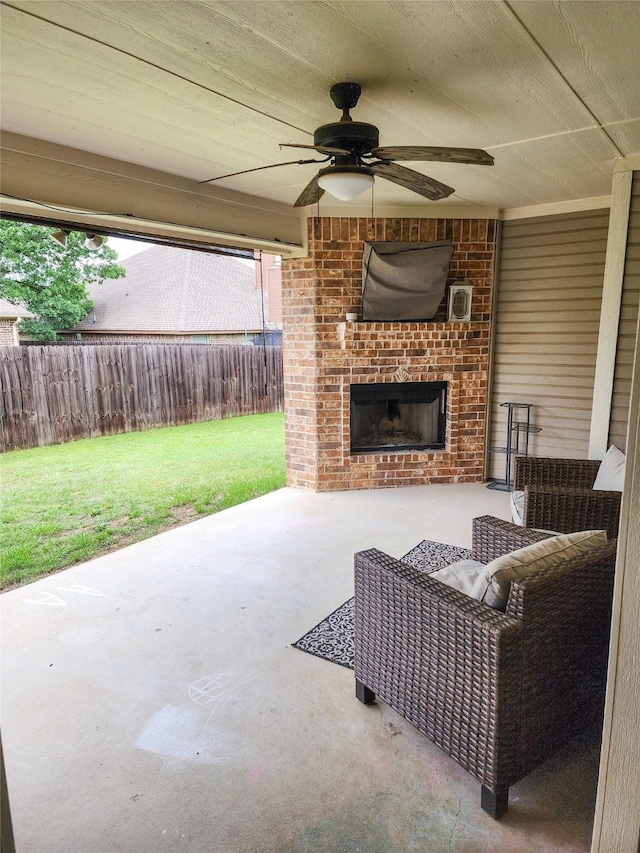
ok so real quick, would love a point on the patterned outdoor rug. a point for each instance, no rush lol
(332, 639)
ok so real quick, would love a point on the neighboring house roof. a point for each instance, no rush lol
(176, 290)
(9, 311)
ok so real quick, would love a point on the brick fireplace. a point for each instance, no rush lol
(324, 355)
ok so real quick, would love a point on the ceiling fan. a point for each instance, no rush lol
(356, 158)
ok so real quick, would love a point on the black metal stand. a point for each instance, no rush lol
(514, 431)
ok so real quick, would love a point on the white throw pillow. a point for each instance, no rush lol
(517, 507)
(461, 575)
(610, 477)
(494, 583)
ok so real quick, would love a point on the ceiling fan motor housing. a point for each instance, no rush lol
(355, 136)
(345, 95)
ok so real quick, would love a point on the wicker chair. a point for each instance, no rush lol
(559, 495)
(498, 692)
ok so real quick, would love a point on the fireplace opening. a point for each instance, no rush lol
(391, 416)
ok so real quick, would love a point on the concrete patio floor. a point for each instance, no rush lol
(152, 701)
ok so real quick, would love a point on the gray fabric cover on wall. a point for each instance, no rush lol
(404, 281)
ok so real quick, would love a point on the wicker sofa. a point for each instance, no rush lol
(498, 692)
(559, 495)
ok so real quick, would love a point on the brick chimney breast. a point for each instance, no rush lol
(324, 356)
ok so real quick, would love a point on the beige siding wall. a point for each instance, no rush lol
(628, 323)
(546, 334)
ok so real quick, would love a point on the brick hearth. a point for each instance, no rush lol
(324, 355)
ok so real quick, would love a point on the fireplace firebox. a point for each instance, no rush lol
(392, 416)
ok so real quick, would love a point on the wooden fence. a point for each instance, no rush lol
(52, 394)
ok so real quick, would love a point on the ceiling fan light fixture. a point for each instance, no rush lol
(345, 182)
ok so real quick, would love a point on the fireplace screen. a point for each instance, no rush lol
(398, 416)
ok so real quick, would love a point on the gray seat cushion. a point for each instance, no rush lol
(461, 575)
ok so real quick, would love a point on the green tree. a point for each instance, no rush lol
(49, 279)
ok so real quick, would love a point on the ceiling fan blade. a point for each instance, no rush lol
(476, 156)
(260, 168)
(323, 149)
(421, 184)
(310, 194)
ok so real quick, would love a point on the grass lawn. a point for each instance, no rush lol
(67, 503)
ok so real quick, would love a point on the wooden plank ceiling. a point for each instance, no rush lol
(199, 89)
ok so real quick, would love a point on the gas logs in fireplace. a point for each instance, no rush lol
(392, 416)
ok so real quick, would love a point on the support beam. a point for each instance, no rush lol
(557, 207)
(610, 313)
(617, 816)
(65, 181)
